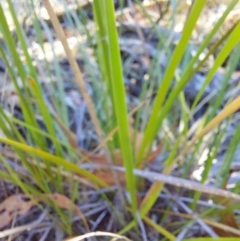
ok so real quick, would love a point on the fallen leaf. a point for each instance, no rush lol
(12, 206)
(64, 202)
(20, 204)
(105, 173)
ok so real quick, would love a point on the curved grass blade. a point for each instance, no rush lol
(50, 158)
(232, 41)
(184, 79)
(27, 109)
(150, 131)
(226, 112)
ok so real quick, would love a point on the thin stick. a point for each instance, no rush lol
(97, 234)
(75, 68)
(175, 181)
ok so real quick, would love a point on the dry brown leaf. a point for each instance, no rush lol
(12, 206)
(64, 202)
(105, 173)
(108, 177)
(20, 204)
(152, 156)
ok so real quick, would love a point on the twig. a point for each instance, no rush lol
(175, 181)
(96, 234)
(27, 227)
(208, 229)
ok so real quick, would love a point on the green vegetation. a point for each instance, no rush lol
(47, 155)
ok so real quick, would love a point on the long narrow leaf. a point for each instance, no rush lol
(118, 90)
(150, 131)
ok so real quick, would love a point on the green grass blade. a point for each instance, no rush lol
(33, 82)
(50, 158)
(26, 108)
(118, 90)
(177, 89)
(232, 41)
(150, 131)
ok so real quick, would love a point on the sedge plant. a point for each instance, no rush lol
(111, 120)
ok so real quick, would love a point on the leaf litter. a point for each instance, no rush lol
(20, 204)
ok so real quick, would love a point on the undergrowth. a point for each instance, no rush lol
(104, 153)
